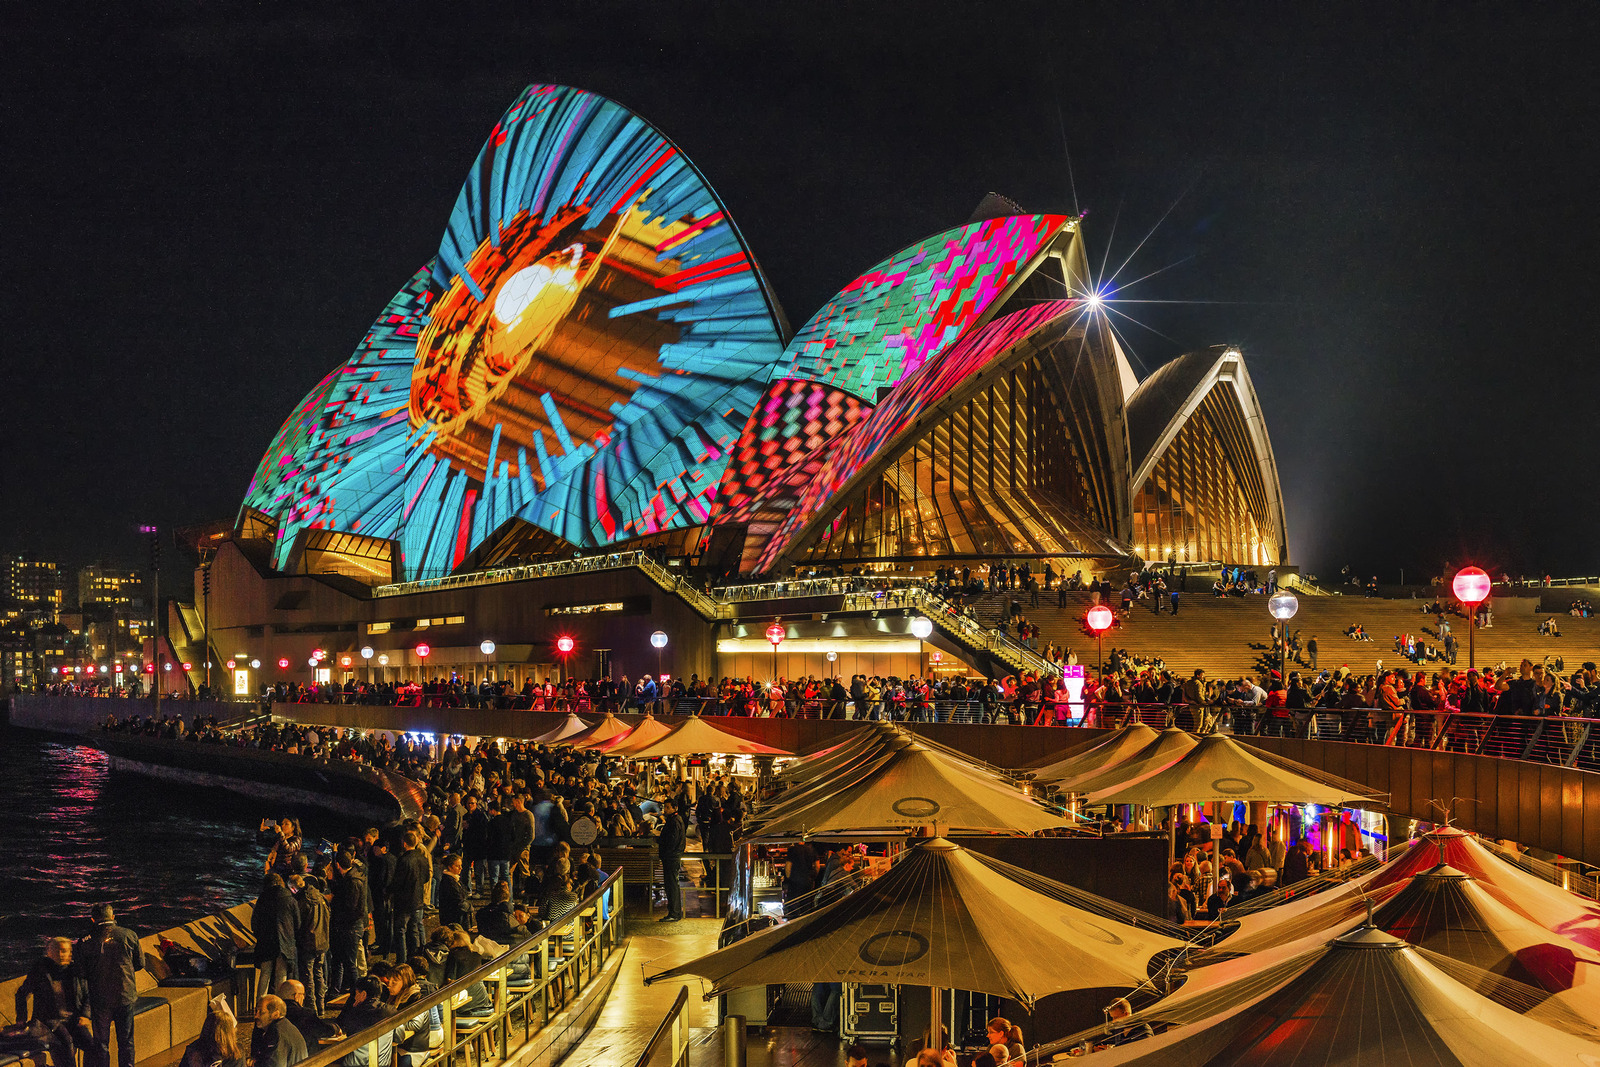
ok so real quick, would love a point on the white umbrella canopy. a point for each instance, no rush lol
(569, 727)
(1120, 745)
(947, 917)
(1167, 748)
(604, 730)
(913, 786)
(648, 731)
(1221, 769)
(1365, 997)
(860, 742)
(696, 735)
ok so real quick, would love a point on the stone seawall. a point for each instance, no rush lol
(358, 791)
(79, 715)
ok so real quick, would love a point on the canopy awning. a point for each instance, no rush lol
(1120, 745)
(1221, 769)
(912, 786)
(695, 735)
(569, 727)
(945, 916)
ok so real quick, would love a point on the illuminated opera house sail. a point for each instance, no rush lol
(593, 358)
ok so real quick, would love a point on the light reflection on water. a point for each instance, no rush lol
(72, 834)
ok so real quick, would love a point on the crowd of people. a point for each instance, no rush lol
(348, 934)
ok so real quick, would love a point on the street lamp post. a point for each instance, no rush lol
(1099, 620)
(1471, 586)
(422, 654)
(775, 635)
(366, 654)
(1283, 605)
(487, 648)
(564, 645)
(659, 640)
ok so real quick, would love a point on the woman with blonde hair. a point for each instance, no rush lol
(218, 1043)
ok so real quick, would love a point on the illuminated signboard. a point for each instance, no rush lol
(581, 354)
(585, 609)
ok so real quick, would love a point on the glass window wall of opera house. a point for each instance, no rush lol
(594, 361)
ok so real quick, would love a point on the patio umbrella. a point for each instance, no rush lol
(1329, 913)
(1221, 769)
(648, 731)
(569, 727)
(912, 786)
(1364, 997)
(1557, 910)
(604, 730)
(696, 735)
(947, 918)
(1167, 748)
(820, 764)
(1456, 915)
(1120, 745)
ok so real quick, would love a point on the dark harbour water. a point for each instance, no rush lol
(72, 834)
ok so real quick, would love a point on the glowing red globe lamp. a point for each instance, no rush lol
(1099, 618)
(283, 664)
(775, 634)
(423, 650)
(1471, 585)
(564, 645)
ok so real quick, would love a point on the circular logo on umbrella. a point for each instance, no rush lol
(894, 948)
(1233, 786)
(1094, 930)
(916, 807)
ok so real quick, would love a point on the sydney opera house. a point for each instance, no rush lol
(593, 362)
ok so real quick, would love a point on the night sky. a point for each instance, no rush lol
(205, 206)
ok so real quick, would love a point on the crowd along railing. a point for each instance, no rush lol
(528, 985)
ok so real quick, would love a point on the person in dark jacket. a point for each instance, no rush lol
(110, 957)
(453, 907)
(670, 847)
(310, 1023)
(60, 993)
(500, 921)
(380, 873)
(275, 1042)
(366, 1008)
(350, 909)
(408, 893)
(1297, 865)
(312, 939)
(274, 923)
(475, 846)
(502, 845)
(461, 962)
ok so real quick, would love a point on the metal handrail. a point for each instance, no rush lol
(548, 970)
(672, 1036)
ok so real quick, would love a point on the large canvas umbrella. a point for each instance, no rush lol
(1121, 745)
(1365, 997)
(604, 730)
(912, 786)
(1167, 748)
(1454, 914)
(1329, 913)
(947, 918)
(1221, 769)
(861, 742)
(696, 735)
(569, 727)
(1557, 910)
(646, 732)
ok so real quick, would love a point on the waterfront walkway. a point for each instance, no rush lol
(634, 1010)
